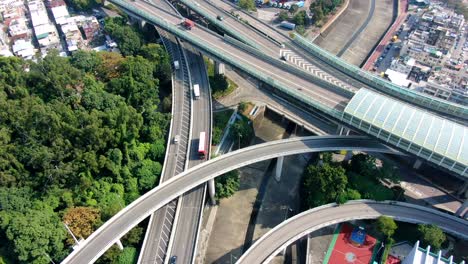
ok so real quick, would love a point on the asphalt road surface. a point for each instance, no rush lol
(191, 203)
(103, 238)
(160, 227)
(299, 83)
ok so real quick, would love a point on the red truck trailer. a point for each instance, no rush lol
(188, 24)
(202, 145)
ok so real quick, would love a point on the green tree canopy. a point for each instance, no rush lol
(300, 18)
(293, 9)
(323, 184)
(80, 137)
(227, 184)
(242, 131)
(432, 235)
(247, 4)
(283, 15)
(129, 40)
(386, 226)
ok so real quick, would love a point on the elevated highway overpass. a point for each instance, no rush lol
(174, 227)
(315, 93)
(301, 48)
(336, 108)
(289, 231)
(103, 238)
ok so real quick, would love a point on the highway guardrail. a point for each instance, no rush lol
(358, 124)
(425, 101)
(289, 68)
(374, 215)
(218, 23)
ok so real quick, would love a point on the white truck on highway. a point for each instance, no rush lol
(176, 65)
(196, 91)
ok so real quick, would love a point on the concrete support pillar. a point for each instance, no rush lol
(212, 191)
(142, 24)
(462, 190)
(343, 131)
(462, 209)
(417, 164)
(219, 68)
(119, 244)
(279, 168)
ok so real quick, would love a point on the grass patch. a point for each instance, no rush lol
(220, 120)
(220, 85)
(209, 66)
(218, 93)
(245, 107)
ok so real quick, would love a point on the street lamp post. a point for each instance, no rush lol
(71, 233)
(47, 255)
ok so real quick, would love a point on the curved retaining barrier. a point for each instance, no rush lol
(424, 101)
(103, 238)
(289, 231)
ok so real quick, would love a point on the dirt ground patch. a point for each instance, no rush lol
(335, 37)
(377, 27)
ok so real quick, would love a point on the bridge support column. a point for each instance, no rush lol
(212, 191)
(279, 168)
(461, 210)
(462, 190)
(219, 68)
(343, 131)
(119, 244)
(142, 24)
(417, 164)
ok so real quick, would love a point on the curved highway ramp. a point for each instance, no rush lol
(103, 238)
(286, 233)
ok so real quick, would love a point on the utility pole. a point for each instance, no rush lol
(71, 233)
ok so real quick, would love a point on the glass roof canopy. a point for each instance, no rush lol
(417, 131)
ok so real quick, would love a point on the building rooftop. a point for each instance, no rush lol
(440, 140)
(23, 48)
(60, 14)
(397, 78)
(425, 256)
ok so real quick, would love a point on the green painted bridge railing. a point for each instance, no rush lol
(309, 101)
(220, 24)
(426, 101)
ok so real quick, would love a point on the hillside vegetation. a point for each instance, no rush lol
(80, 138)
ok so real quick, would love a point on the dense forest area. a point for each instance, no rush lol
(80, 137)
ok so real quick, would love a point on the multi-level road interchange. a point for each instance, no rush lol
(286, 233)
(117, 226)
(329, 93)
(323, 96)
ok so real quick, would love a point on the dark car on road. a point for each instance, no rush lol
(173, 260)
